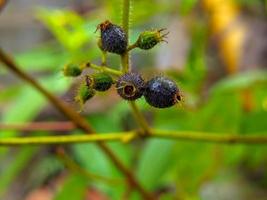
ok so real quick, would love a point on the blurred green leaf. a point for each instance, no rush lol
(240, 81)
(74, 187)
(185, 6)
(11, 170)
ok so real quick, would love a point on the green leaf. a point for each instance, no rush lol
(73, 188)
(12, 169)
(240, 82)
(32, 101)
(154, 162)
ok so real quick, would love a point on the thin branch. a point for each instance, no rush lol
(195, 136)
(62, 139)
(131, 47)
(126, 16)
(125, 61)
(125, 25)
(39, 126)
(192, 136)
(140, 118)
(104, 69)
(78, 120)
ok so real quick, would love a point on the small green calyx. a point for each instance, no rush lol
(101, 81)
(149, 39)
(72, 70)
(84, 94)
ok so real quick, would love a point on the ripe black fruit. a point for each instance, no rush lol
(113, 38)
(130, 86)
(161, 92)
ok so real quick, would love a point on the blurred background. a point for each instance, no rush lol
(217, 53)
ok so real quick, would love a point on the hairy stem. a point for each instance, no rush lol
(125, 61)
(77, 119)
(126, 16)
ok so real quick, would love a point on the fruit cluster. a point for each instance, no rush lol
(159, 92)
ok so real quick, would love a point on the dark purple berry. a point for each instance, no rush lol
(161, 92)
(130, 86)
(113, 38)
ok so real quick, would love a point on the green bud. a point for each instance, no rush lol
(84, 93)
(72, 70)
(149, 39)
(100, 81)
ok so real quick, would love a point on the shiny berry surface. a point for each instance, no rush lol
(161, 92)
(113, 38)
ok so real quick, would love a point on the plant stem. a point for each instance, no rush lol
(125, 61)
(104, 69)
(126, 16)
(62, 139)
(140, 119)
(131, 47)
(125, 25)
(104, 58)
(77, 119)
(195, 136)
(192, 136)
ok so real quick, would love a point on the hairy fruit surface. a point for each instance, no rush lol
(84, 93)
(130, 86)
(100, 81)
(149, 39)
(72, 70)
(113, 38)
(161, 92)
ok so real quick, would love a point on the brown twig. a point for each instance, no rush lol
(78, 120)
(39, 126)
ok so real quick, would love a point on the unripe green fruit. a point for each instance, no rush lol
(100, 81)
(149, 39)
(84, 93)
(72, 70)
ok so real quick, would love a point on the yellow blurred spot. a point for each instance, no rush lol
(264, 104)
(224, 23)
